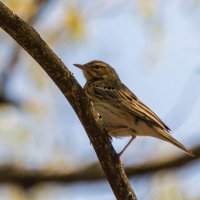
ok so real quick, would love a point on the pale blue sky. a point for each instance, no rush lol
(156, 57)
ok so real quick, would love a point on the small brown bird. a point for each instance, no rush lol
(123, 114)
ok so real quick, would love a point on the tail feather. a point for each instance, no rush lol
(167, 137)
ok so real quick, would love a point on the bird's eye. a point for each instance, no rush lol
(96, 67)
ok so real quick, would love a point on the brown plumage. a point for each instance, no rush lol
(123, 114)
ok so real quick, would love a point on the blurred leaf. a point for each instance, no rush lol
(17, 193)
(147, 8)
(168, 187)
(24, 8)
(74, 23)
(36, 108)
(39, 77)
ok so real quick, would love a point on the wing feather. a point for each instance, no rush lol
(120, 96)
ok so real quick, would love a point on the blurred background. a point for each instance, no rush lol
(153, 45)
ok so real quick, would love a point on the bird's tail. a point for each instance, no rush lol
(163, 135)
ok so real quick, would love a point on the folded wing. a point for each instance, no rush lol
(120, 96)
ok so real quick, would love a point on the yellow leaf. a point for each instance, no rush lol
(148, 8)
(24, 8)
(74, 23)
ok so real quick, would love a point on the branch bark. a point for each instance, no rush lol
(93, 172)
(31, 41)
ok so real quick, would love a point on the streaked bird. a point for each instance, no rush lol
(123, 114)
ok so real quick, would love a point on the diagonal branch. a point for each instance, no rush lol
(31, 41)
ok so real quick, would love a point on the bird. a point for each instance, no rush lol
(122, 113)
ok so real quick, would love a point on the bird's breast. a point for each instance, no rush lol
(113, 117)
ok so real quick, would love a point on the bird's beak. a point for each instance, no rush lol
(79, 66)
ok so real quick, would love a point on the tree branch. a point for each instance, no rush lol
(93, 172)
(31, 41)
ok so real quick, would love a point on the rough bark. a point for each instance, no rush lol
(31, 41)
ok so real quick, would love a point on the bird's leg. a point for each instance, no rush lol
(114, 132)
(132, 138)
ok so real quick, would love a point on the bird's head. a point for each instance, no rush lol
(98, 70)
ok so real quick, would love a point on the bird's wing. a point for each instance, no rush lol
(120, 96)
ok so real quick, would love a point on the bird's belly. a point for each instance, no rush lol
(127, 124)
(112, 117)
